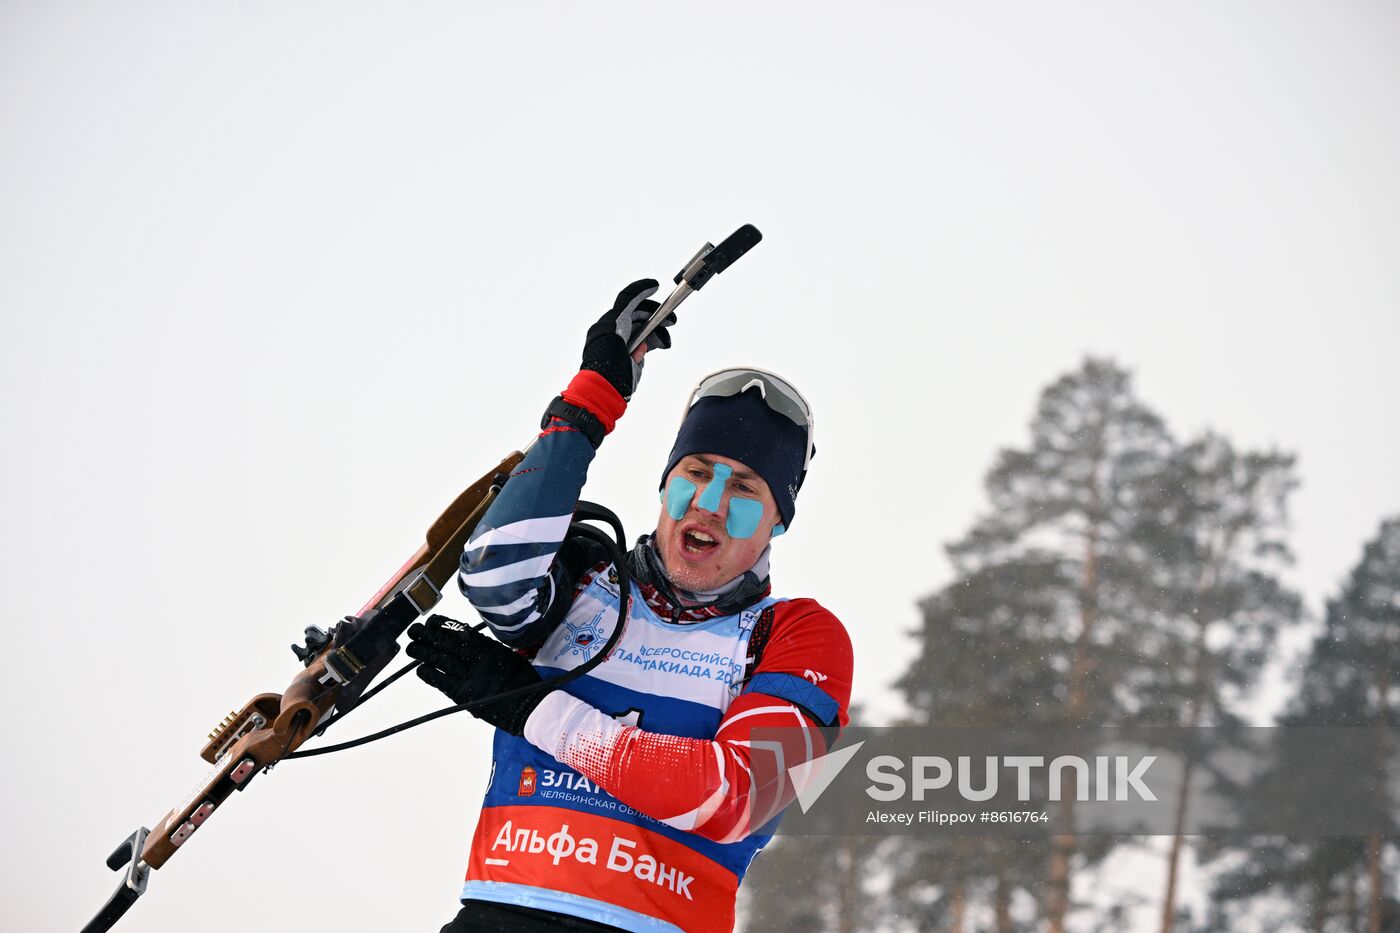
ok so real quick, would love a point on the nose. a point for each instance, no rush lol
(710, 500)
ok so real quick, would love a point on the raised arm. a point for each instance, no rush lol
(512, 569)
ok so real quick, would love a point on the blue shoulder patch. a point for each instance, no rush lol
(796, 690)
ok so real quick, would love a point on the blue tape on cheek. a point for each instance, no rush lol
(744, 516)
(714, 490)
(678, 495)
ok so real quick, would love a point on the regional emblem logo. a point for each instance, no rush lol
(582, 637)
(527, 782)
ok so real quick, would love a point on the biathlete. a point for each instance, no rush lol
(635, 796)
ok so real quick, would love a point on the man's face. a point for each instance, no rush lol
(694, 564)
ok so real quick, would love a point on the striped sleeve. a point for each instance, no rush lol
(730, 786)
(508, 570)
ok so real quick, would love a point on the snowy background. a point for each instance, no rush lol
(277, 280)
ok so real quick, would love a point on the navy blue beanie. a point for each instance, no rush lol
(743, 427)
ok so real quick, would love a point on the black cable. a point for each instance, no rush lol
(363, 740)
(614, 549)
(368, 694)
(341, 714)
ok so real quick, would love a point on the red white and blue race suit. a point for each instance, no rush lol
(631, 798)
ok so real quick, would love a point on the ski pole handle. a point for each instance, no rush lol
(678, 294)
(709, 261)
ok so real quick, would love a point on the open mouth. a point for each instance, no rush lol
(695, 541)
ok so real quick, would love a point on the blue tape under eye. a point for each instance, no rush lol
(744, 516)
(678, 495)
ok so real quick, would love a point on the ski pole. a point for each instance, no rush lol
(709, 261)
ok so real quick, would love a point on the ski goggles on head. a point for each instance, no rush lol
(778, 394)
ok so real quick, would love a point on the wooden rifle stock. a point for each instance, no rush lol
(271, 725)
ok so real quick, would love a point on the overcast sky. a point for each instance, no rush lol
(277, 280)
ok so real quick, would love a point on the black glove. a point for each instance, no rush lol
(469, 666)
(605, 351)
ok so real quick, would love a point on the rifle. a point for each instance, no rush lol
(271, 727)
